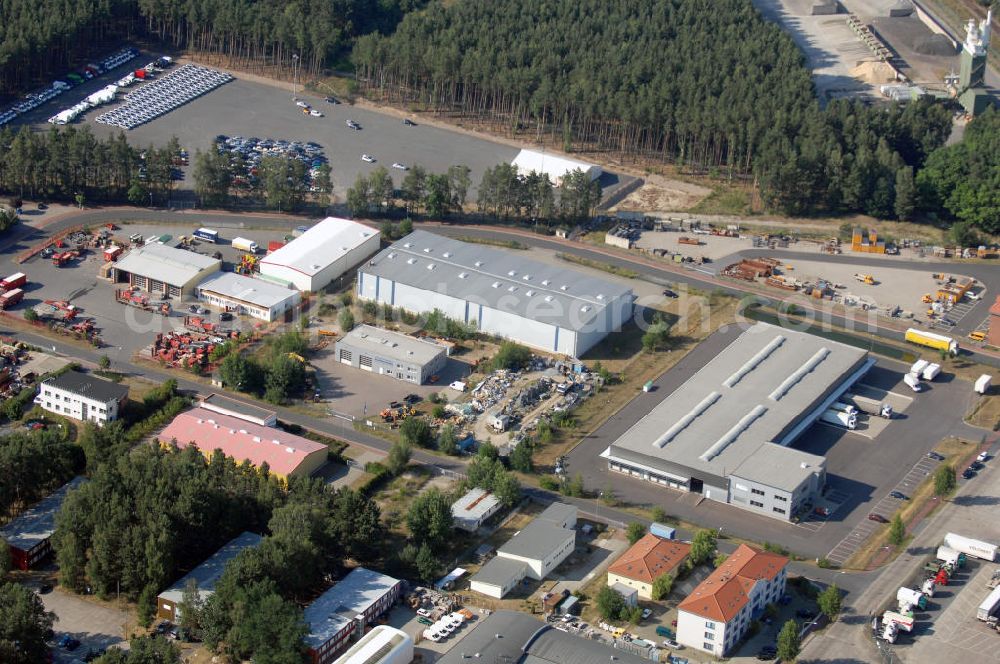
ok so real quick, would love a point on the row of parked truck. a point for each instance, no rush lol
(950, 557)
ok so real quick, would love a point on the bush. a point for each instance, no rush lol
(416, 431)
(438, 412)
(635, 532)
(944, 480)
(548, 483)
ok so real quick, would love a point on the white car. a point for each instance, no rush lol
(400, 166)
(432, 636)
(315, 113)
(424, 612)
(673, 645)
(353, 125)
(453, 620)
(302, 104)
(983, 456)
(646, 613)
(368, 158)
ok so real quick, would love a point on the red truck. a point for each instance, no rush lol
(16, 280)
(10, 298)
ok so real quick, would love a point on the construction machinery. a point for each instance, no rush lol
(141, 301)
(248, 264)
(927, 299)
(199, 324)
(331, 333)
(865, 278)
(60, 309)
(61, 259)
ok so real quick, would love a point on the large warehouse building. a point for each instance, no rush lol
(285, 454)
(321, 254)
(389, 353)
(157, 268)
(246, 295)
(724, 433)
(556, 167)
(548, 307)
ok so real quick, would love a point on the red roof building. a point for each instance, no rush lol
(993, 332)
(719, 610)
(646, 560)
(285, 454)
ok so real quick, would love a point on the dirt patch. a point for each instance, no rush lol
(874, 72)
(661, 194)
(986, 412)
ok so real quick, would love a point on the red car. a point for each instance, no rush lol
(822, 511)
(877, 517)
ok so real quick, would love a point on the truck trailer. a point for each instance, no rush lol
(846, 420)
(869, 405)
(989, 605)
(912, 597)
(950, 555)
(971, 547)
(931, 371)
(842, 407)
(244, 244)
(932, 340)
(905, 622)
(9, 298)
(919, 366)
(913, 381)
(983, 384)
(16, 280)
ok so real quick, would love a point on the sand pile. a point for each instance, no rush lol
(874, 72)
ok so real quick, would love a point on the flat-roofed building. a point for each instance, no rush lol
(389, 353)
(555, 166)
(725, 432)
(223, 405)
(718, 612)
(382, 645)
(533, 552)
(157, 268)
(83, 397)
(474, 508)
(249, 296)
(321, 254)
(285, 454)
(647, 560)
(346, 609)
(28, 534)
(553, 308)
(204, 577)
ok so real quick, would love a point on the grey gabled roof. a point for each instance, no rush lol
(37, 523)
(339, 605)
(559, 513)
(88, 386)
(170, 265)
(254, 291)
(779, 467)
(392, 345)
(499, 279)
(207, 574)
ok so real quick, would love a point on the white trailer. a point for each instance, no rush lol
(841, 407)
(983, 383)
(244, 244)
(890, 631)
(931, 371)
(869, 405)
(912, 597)
(950, 555)
(971, 547)
(928, 587)
(905, 622)
(848, 421)
(919, 366)
(913, 380)
(989, 605)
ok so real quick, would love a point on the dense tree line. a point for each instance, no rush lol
(71, 164)
(40, 39)
(707, 84)
(435, 194)
(280, 183)
(32, 465)
(276, 373)
(963, 180)
(23, 625)
(504, 193)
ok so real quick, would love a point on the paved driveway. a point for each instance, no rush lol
(95, 625)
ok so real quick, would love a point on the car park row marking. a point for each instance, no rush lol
(955, 314)
(884, 508)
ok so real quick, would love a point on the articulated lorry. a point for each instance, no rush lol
(846, 420)
(989, 605)
(950, 555)
(932, 340)
(971, 547)
(911, 597)
(16, 280)
(913, 381)
(868, 405)
(244, 244)
(905, 622)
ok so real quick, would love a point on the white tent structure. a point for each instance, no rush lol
(552, 165)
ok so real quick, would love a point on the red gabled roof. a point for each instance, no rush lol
(995, 309)
(727, 589)
(240, 439)
(649, 558)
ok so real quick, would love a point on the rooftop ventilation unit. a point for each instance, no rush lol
(463, 275)
(527, 277)
(290, 450)
(512, 289)
(512, 273)
(411, 261)
(600, 296)
(530, 293)
(407, 244)
(431, 266)
(256, 439)
(392, 254)
(683, 423)
(799, 374)
(496, 284)
(741, 426)
(752, 363)
(447, 254)
(548, 298)
(479, 263)
(564, 287)
(545, 282)
(427, 250)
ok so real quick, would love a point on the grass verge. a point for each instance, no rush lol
(493, 242)
(598, 265)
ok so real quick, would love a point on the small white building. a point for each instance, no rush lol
(553, 165)
(532, 552)
(474, 508)
(245, 295)
(393, 354)
(718, 612)
(82, 397)
(321, 254)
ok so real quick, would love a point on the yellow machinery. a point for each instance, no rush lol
(865, 279)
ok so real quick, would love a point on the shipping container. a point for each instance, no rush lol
(662, 530)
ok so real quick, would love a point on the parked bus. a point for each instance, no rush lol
(207, 234)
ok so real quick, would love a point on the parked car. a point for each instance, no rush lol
(399, 166)
(673, 645)
(822, 511)
(767, 653)
(898, 495)
(975, 465)
(45, 589)
(67, 642)
(302, 104)
(332, 100)
(983, 456)
(225, 315)
(805, 614)
(968, 473)
(424, 612)
(424, 621)
(353, 125)
(935, 456)
(646, 613)
(367, 158)
(669, 293)
(877, 517)
(409, 123)
(315, 113)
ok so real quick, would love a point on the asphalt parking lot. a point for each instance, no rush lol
(861, 471)
(94, 625)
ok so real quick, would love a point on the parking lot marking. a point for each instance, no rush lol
(955, 314)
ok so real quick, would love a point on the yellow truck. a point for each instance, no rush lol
(932, 340)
